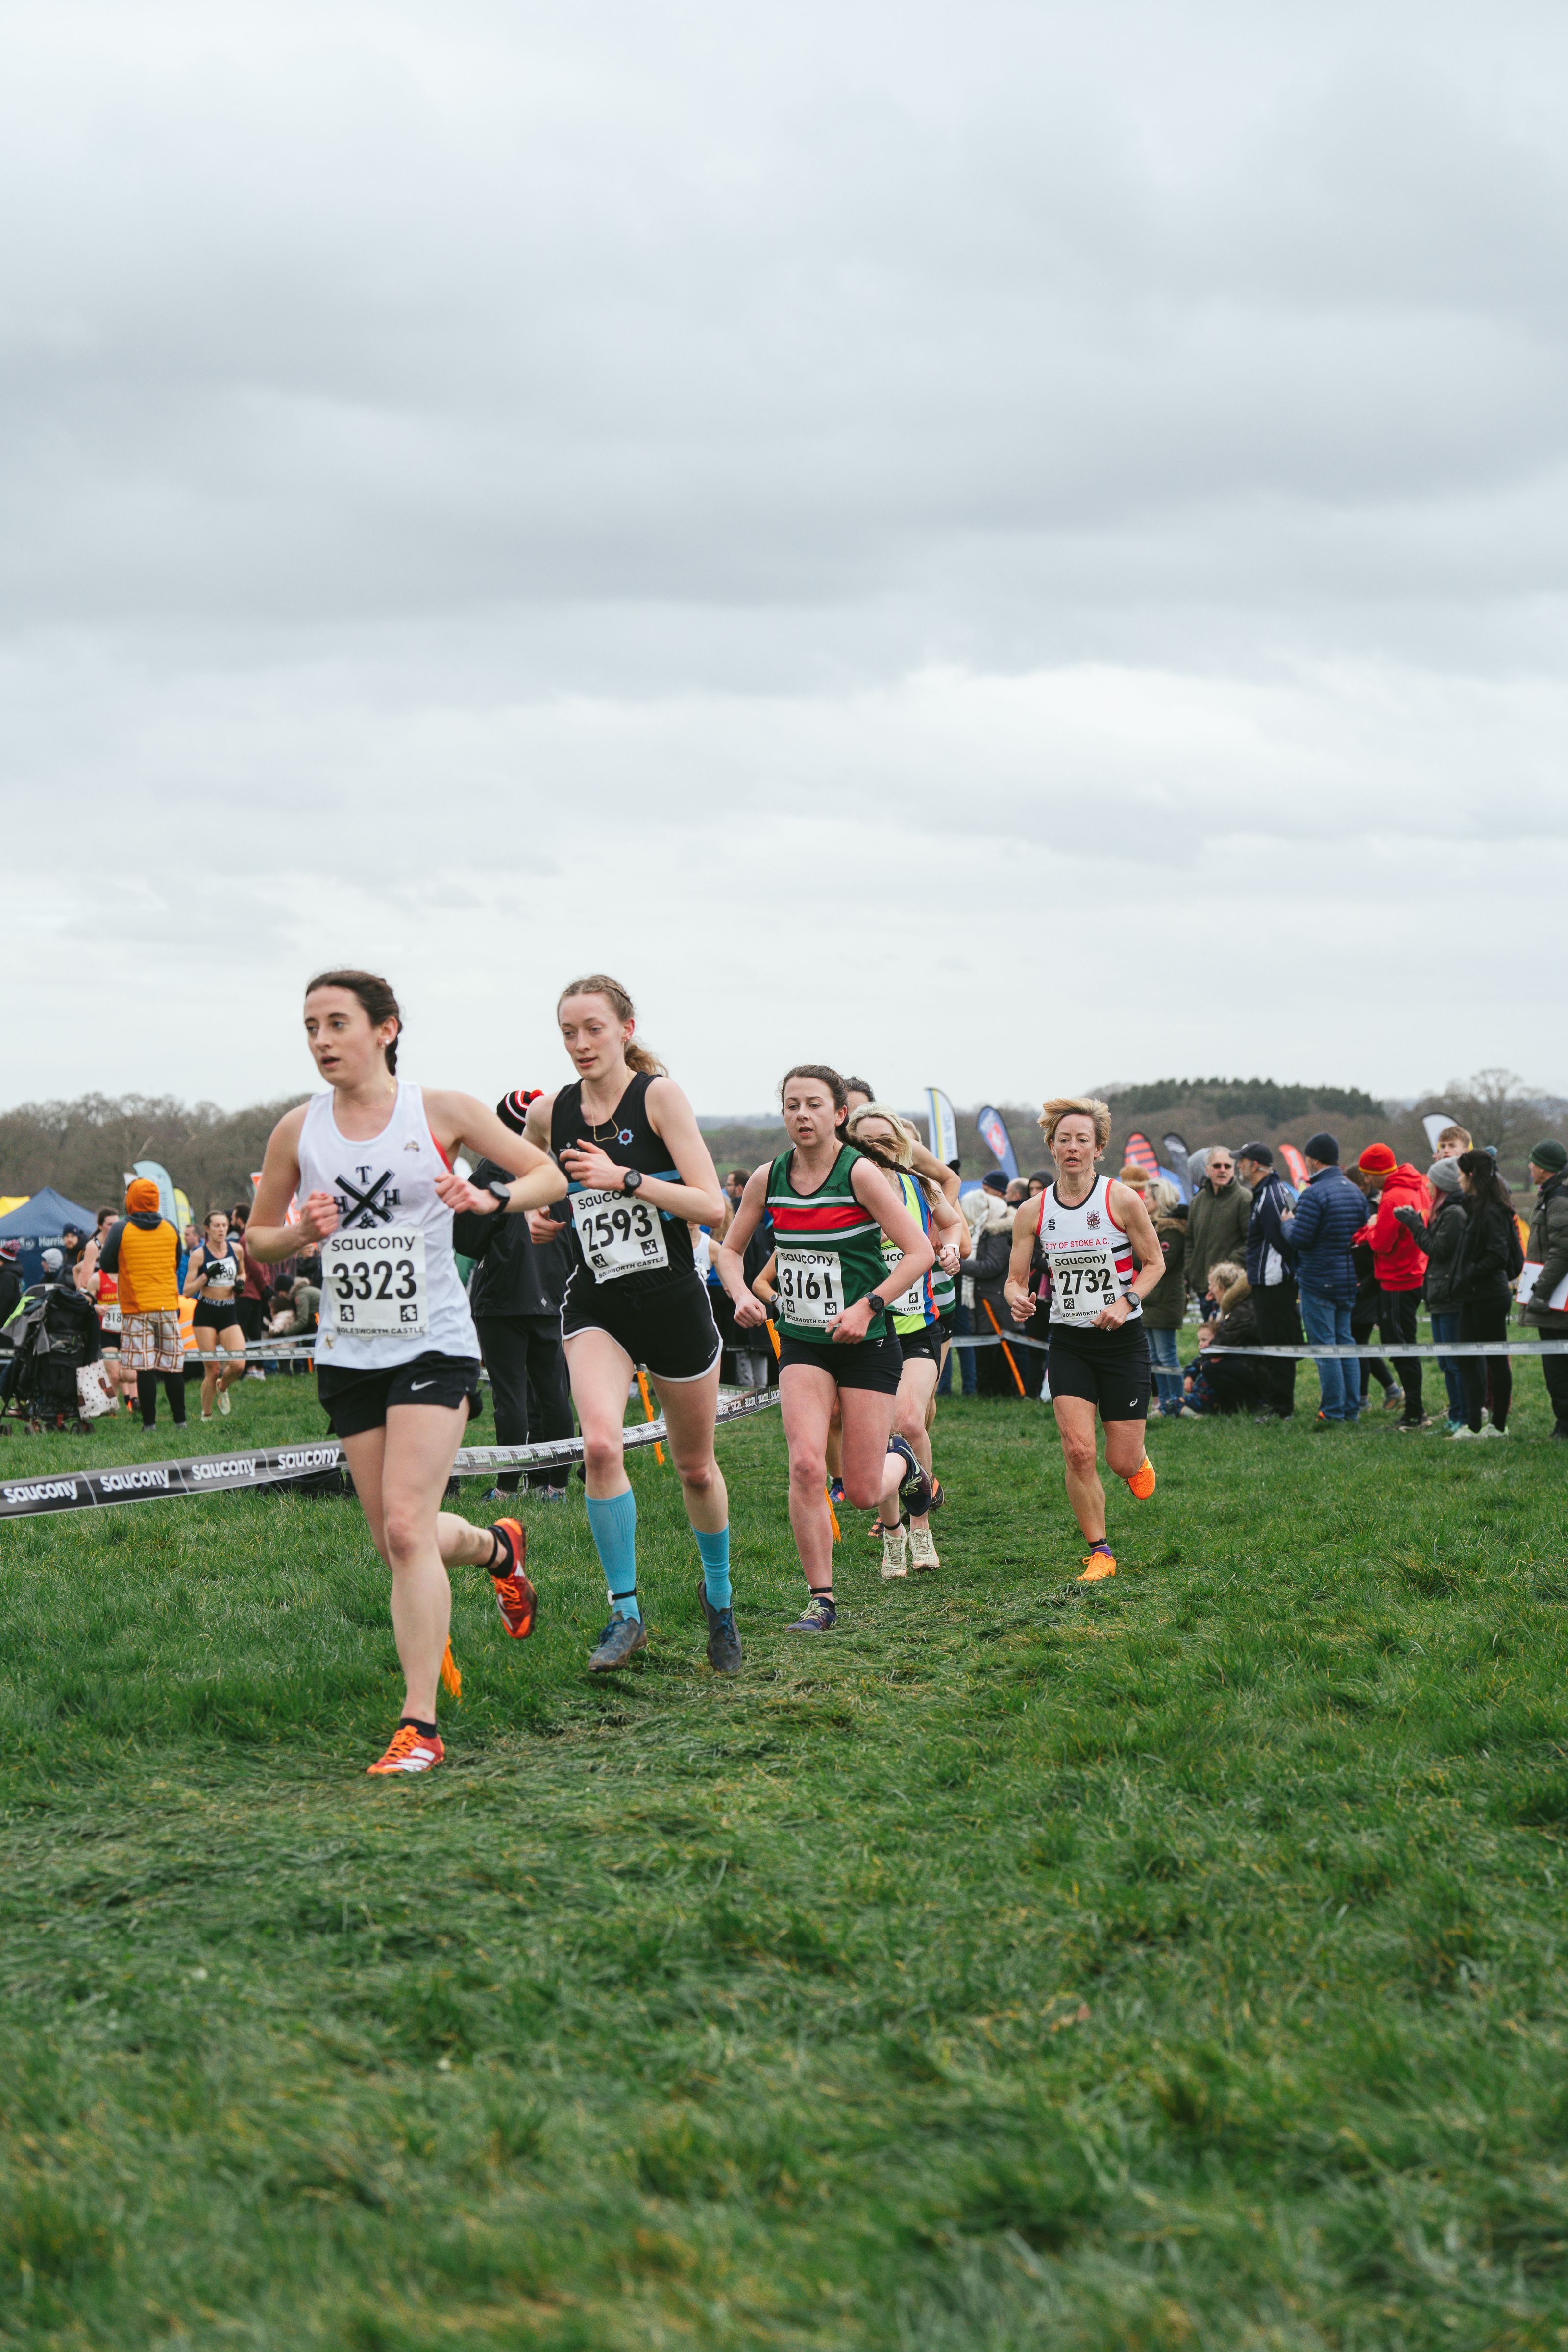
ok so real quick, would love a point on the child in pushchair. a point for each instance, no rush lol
(54, 1336)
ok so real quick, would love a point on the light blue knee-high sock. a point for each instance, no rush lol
(715, 1551)
(614, 1527)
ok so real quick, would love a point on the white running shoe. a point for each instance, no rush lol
(224, 1405)
(894, 1548)
(1464, 1430)
(1490, 1429)
(923, 1549)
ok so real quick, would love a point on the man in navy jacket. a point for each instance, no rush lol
(1329, 1214)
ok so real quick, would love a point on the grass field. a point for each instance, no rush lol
(1177, 1962)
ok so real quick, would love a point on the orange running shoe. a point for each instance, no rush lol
(1141, 1484)
(410, 1752)
(515, 1596)
(1096, 1564)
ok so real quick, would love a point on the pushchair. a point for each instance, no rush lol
(54, 1336)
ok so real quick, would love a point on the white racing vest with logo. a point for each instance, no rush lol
(390, 1288)
(1088, 1259)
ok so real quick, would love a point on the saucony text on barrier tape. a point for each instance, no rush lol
(208, 1473)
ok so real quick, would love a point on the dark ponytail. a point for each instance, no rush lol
(375, 994)
(1486, 1183)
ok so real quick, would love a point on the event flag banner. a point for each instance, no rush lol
(1176, 1159)
(943, 1124)
(997, 1141)
(1141, 1153)
(1296, 1166)
(1435, 1122)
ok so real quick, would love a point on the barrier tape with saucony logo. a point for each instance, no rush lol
(217, 1474)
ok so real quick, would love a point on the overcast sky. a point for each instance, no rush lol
(1010, 547)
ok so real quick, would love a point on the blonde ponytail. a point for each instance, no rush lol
(639, 1057)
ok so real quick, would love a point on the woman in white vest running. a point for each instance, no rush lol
(1102, 1258)
(370, 1163)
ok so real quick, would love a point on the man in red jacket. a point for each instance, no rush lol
(1401, 1266)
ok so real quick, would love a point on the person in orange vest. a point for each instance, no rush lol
(143, 1253)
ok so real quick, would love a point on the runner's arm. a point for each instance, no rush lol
(1025, 1232)
(729, 1257)
(766, 1285)
(926, 1163)
(272, 1234)
(463, 1119)
(916, 1256)
(952, 1231)
(194, 1277)
(1127, 1206)
(699, 1197)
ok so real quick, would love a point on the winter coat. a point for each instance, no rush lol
(1484, 1251)
(1325, 1221)
(1440, 1235)
(11, 1288)
(1549, 1249)
(1165, 1308)
(1270, 1251)
(141, 1252)
(1237, 1325)
(1401, 1261)
(1216, 1229)
(516, 1275)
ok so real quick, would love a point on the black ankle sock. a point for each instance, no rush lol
(426, 1731)
(505, 1556)
(826, 1594)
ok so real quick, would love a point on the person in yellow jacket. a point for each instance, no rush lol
(143, 1253)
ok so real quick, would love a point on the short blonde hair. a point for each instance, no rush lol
(1162, 1198)
(1089, 1106)
(1222, 1274)
(902, 1150)
(1462, 1133)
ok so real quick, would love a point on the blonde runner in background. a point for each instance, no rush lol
(918, 1323)
(396, 1354)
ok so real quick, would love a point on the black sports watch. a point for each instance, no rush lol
(502, 1193)
(632, 1181)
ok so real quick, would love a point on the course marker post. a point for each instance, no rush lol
(1006, 1351)
(648, 1413)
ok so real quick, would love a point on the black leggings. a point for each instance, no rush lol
(1486, 1321)
(147, 1396)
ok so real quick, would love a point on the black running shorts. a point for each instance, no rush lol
(928, 1342)
(1110, 1368)
(357, 1400)
(670, 1330)
(854, 1363)
(214, 1315)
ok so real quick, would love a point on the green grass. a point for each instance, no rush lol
(1177, 1962)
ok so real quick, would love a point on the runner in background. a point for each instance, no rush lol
(924, 1163)
(831, 1204)
(917, 1320)
(213, 1275)
(1102, 1258)
(640, 1177)
(370, 1161)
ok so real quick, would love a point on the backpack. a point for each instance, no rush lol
(1515, 1250)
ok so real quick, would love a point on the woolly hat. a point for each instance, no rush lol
(141, 1197)
(1377, 1160)
(1258, 1152)
(512, 1109)
(10, 1249)
(995, 1181)
(1444, 1176)
(1550, 1154)
(1324, 1148)
(53, 1261)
